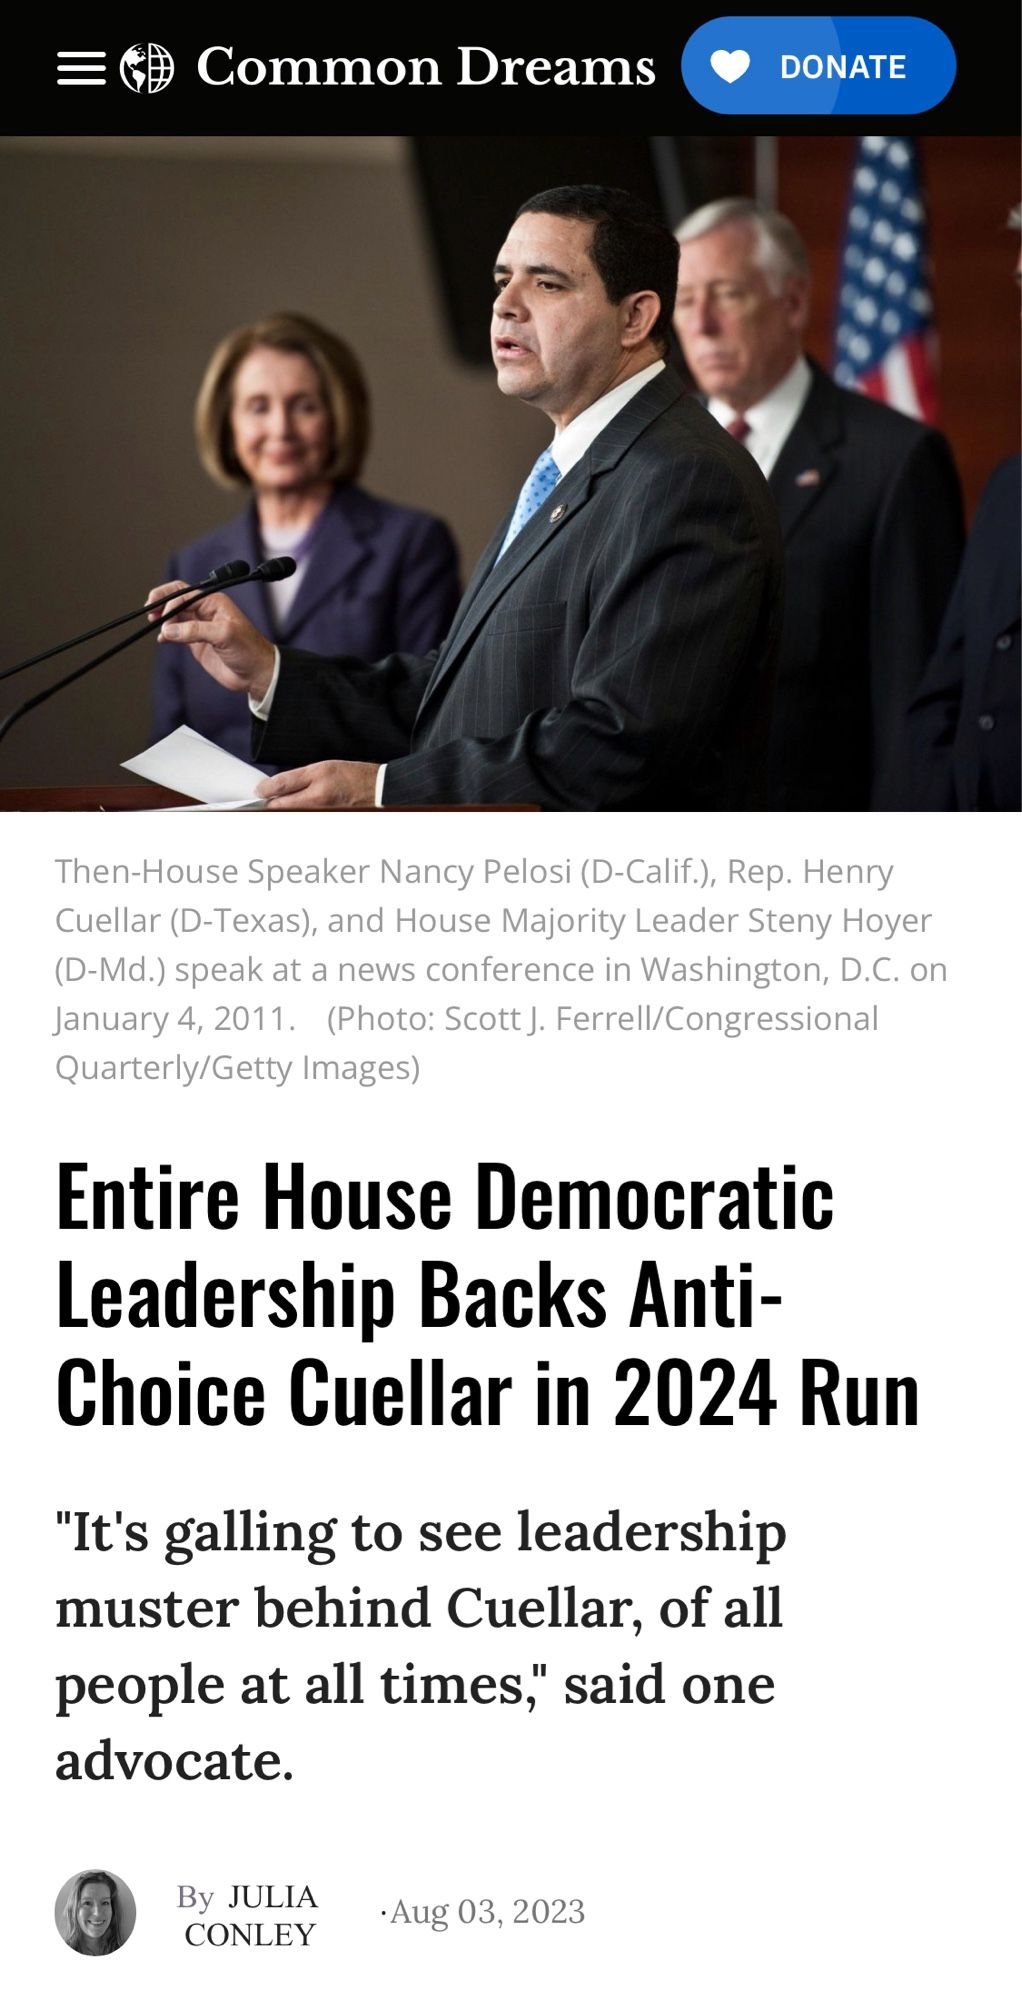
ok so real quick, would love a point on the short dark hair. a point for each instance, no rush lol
(632, 249)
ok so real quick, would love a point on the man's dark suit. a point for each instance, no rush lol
(958, 749)
(616, 655)
(870, 511)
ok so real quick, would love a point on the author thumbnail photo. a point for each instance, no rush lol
(95, 1912)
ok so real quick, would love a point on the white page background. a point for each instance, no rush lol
(851, 1834)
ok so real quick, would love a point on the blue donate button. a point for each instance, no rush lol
(808, 65)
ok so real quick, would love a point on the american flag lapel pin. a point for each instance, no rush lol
(810, 478)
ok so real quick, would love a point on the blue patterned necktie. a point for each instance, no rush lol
(541, 482)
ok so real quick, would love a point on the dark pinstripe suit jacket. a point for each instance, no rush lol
(618, 655)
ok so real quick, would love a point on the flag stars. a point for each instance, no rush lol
(884, 303)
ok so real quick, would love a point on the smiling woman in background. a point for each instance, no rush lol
(284, 411)
(92, 1918)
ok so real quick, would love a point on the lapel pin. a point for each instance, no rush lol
(810, 478)
(558, 511)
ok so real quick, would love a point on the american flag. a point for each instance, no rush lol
(884, 338)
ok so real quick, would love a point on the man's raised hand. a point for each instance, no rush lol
(221, 638)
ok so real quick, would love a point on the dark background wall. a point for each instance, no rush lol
(129, 269)
(125, 267)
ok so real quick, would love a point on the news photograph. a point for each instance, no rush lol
(509, 1441)
(739, 532)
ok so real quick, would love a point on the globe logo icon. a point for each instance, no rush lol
(146, 68)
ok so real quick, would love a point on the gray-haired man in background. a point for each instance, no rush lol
(868, 500)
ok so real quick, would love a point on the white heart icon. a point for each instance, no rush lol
(730, 64)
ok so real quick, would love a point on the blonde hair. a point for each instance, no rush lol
(341, 380)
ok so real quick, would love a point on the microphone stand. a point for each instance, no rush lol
(228, 573)
(180, 605)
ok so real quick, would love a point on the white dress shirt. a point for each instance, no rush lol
(571, 444)
(568, 448)
(771, 420)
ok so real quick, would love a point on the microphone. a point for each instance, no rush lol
(273, 570)
(178, 605)
(227, 573)
(232, 572)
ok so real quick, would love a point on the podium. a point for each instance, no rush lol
(89, 798)
(151, 798)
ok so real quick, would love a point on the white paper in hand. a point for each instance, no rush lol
(186, 762)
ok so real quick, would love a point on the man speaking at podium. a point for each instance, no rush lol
(614, 645)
